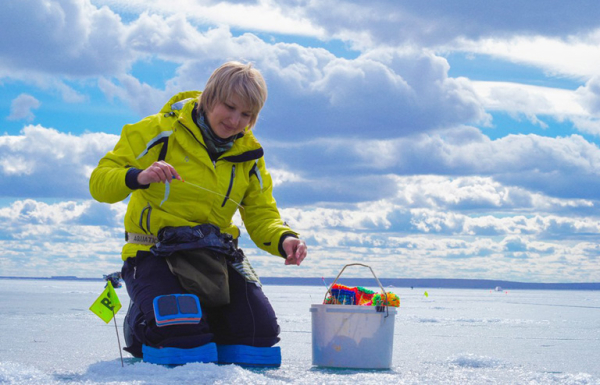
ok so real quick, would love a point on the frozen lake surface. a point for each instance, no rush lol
(454, 336)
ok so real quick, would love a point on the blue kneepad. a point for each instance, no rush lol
(249, 355)
(177, 356)
(176, 309)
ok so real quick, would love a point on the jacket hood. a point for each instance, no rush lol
(168, 107)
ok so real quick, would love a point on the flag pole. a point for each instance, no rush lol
(118, 339)
(107, 302)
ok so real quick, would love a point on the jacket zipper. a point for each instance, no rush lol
(214, 162)
(193, 136)
(230, 186)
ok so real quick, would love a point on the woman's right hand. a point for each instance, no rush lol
(158, 172)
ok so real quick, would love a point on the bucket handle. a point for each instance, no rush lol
(356, 264)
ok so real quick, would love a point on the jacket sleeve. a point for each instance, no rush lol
(115, 177)
(260, 214)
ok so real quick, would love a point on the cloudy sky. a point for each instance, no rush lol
(426, 139)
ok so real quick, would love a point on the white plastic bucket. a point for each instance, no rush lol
(351, 336)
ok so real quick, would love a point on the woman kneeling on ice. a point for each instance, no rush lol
(188, 169)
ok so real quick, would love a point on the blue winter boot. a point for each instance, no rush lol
(178, 356)
(249, 355)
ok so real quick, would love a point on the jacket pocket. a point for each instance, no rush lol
(230, 186)
(146, 210)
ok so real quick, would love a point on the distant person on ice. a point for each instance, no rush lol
(188, 169)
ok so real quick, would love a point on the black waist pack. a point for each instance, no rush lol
(198, 256)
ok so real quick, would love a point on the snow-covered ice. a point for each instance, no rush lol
(48, 336)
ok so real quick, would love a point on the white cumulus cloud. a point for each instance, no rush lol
(44, 162)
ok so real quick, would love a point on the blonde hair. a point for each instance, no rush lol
(235, 78)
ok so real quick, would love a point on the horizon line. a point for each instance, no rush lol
(453, 283)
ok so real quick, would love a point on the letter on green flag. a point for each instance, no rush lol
(107, 305)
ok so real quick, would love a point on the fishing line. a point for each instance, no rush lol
(211, 191)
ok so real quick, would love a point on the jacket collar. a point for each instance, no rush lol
(244, 148)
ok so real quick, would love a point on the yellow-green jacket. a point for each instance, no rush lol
(239, 175)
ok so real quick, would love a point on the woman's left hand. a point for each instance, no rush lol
(295, 249)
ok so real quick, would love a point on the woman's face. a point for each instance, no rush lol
(229, 118)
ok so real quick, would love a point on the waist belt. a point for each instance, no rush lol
(175, 239)
(140, 239)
